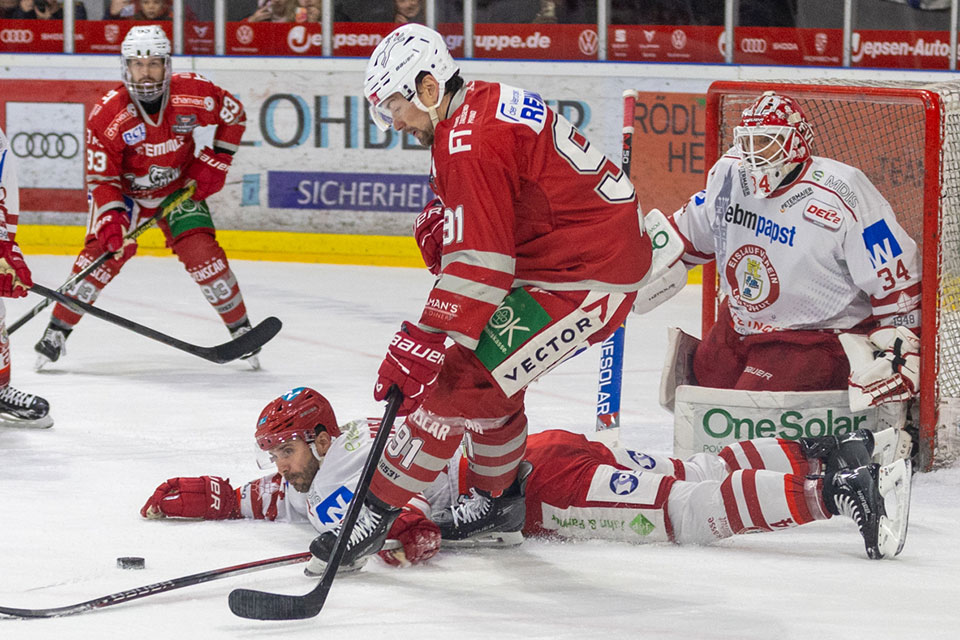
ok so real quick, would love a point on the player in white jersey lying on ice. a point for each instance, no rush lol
(572, 487)
(811, 263)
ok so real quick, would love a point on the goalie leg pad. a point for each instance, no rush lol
(678, 365)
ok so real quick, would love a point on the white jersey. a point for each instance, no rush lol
(825, 252)
(332, 489)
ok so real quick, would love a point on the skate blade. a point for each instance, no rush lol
(894, 483)
(41, 362)
(487, 540)
(252, 361)
(7, 420)
(316, 567)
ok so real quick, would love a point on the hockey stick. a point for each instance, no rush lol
(230, 350)
(93, 266)
(260, 605)
(611, 350)
(157, 587)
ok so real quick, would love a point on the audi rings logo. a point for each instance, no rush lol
(16, 36)
(45, 145)
(753, 45)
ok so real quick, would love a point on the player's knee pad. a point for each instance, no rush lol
(706, 419)
(198, 247)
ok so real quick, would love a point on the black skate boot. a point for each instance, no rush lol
(882, 447)
(367, 538)
(51, 345)
(847, 451)
(855, 493)
(479, 520)
(250, 358)
(19, 409)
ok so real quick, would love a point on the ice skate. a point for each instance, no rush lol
(861, 446)
(51, 346)
(368, 537)
(864, 494)
(251, 358)
(479, 520)
(20, 409)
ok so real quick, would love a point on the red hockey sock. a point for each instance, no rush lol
(207, 264)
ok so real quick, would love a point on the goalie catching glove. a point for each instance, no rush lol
(15, 276)
(206, 497)
(884, 366)
(412, 363)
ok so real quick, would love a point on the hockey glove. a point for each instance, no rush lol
(209, 172)
(412, 363)
(884, 366)
(110, 228)
(207, 497)
(419, 537)
(15, 276)
(428, 230)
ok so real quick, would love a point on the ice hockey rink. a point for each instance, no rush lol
(131, 413)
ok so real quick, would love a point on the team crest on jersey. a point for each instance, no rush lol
(521, 107)
(753, 281)
(135, 135)
(156, 178)
(185, 123)
(624, 483)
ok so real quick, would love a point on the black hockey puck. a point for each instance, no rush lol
(130, 562)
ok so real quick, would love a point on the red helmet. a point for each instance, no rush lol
(773, 138)
(295, 415)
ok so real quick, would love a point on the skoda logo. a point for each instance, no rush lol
(753, 45)
(45, 145)
(16, 36)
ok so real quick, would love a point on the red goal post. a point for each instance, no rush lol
(905, 136)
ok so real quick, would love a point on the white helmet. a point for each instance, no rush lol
(146, 42)
(396, 63)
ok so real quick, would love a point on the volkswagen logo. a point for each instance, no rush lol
(16, 36)
(679, 39)
(245, 34)
(753, 45)
(45, 145)
(588, 41)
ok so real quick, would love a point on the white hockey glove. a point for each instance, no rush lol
(667, 274)
(884, 366)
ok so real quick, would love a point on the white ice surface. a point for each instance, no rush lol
(130, 413)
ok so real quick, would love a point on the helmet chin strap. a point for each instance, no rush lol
(434, 116)
(316, 454)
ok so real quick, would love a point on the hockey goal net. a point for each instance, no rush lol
(905, 137)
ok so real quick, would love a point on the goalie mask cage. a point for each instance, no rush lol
(905, 136)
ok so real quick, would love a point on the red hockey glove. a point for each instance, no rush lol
(412, 363)
(209, 171)
(419, 537)
(207, 497)
(110, 229)
(15, 276)
(428, 230)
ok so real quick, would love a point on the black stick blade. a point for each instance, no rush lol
(260, 605)
(249, 341)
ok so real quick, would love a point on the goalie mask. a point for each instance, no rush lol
(296, 415)
(395, 64)
(142, 50)
(773, 139)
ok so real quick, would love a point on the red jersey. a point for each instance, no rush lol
(127, 155)
(529, 201)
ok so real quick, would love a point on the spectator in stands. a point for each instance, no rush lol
(119, 9)
(308, 11)
(46, 10)
(274, 11)
(405, 11)
(7, 7)
(152, 10)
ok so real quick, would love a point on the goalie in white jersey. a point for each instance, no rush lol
(806, 249)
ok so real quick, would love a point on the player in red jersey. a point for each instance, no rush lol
(17, 409)
(543, 252)
(140, 156)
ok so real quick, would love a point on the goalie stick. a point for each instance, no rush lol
(93, 266)
(155, 588)
(230, 350)
(260, 605)
(611, 349)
